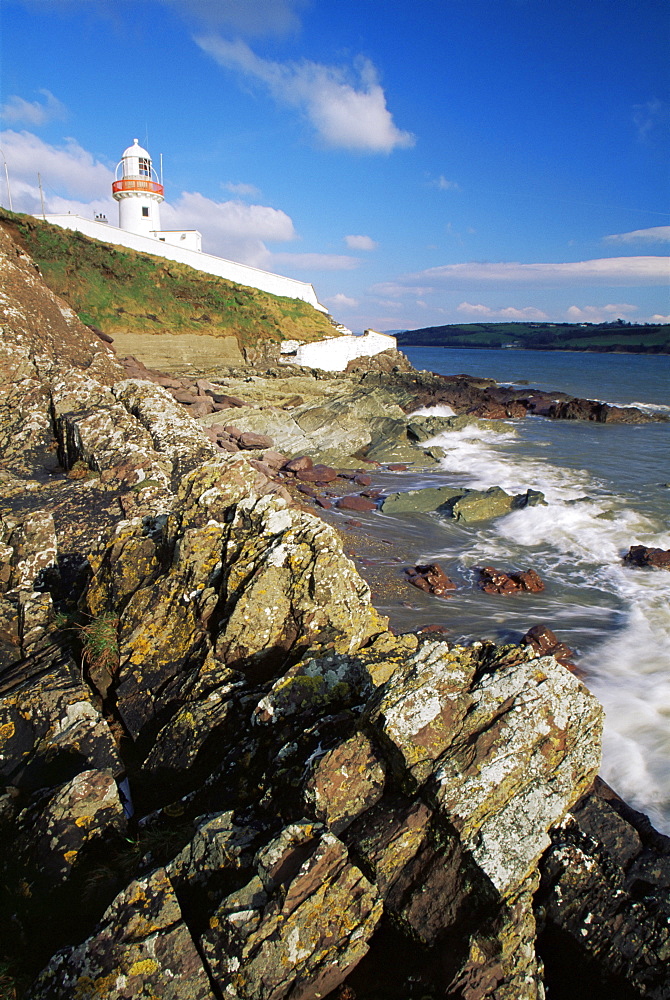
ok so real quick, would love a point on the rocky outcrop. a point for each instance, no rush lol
(223, 775)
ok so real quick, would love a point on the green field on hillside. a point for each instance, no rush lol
(122, 291)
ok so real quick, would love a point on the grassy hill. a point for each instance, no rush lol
(631, 338)
(122, 291)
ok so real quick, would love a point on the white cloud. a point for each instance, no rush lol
(347, 108)
(17, 111)
(342, 301)
(656, 234)
(231, 229)
(316, 261)
(442, 184)
(526, 314)
(599, 314)
(67, 169)
(649, 116)
(360, 243)
(242, 190)
(606, 271)
(658, 318)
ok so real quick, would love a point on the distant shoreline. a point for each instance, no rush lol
(594, 338)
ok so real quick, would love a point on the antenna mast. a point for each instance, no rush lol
(39, 181)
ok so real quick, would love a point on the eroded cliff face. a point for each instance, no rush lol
(224, 776)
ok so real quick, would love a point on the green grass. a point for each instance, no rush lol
(121, 291)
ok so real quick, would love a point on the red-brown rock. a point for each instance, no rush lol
(317, 474)
(355, 503)
(640, 555)
(544, 642)
(430, 578)
(494, 581)
(299, 464)
(249, 440)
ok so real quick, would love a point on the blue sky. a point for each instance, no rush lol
(420, 162)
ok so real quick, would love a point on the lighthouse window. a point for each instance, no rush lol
(145, 167)
(145, 211)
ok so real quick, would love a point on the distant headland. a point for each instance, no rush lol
(618, 336)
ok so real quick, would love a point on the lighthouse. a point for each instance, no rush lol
(138, 192)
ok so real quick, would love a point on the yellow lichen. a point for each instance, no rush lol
(144, 967)
(70, 857)
(6, 732)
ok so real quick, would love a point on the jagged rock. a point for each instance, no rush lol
(28, 550)
(50, 731)
(495, 581)
(641, 555)
(52, 834)
(604, 897)
(232, 574)
(430, 578)
(345, 782)
(141, 947)
(173, 432)
(299, 926)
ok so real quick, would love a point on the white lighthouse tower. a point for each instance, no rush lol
(138, 192)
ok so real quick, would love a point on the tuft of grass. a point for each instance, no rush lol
(99, 641)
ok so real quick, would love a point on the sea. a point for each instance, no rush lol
(607, 487)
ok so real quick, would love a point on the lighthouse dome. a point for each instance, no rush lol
(135, 150)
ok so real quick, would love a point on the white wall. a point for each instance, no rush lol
(333, 355)
(241, 274)
(190, 239)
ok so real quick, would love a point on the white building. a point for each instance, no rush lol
(139, 193)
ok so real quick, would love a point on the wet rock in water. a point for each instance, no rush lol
(480, 505)
(545, 643)
(317, 474)
(420, 500)
(641, 555)
(495, 581)
(460, 503)
(431, 578)
(356, 503)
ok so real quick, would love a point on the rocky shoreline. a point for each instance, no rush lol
(224, 776)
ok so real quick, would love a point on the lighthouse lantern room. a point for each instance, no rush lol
(138, 192)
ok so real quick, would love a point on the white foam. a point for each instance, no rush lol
(433, 411)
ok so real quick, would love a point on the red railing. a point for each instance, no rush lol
(141, 184)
